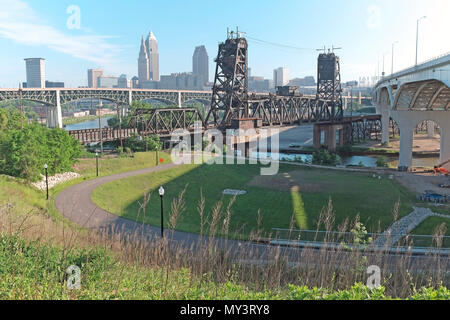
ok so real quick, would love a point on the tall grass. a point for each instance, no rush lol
(121, 264)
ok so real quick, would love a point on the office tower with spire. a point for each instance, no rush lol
(200, 64)
(152, 52)
(143, 64)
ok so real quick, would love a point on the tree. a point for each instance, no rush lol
(23, 152)
(3, 120)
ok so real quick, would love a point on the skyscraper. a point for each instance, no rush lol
(280, 77)
(143, 64)
(35, 72)
(153, 56)
(93, 75)
(200, 63)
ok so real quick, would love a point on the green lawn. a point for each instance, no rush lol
(112, 165)
(74, 120)
(428, 227)
(20, 197)
(298, 191)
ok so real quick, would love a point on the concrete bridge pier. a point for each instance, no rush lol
(445, 143)
(179, 100)
(54, 114)
(406, 147)
(430, 129)
(407, 122)
(385, 117)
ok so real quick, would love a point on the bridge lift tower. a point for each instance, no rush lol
(230, 91)
(329, 84)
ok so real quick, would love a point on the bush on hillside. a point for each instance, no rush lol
(24, 152)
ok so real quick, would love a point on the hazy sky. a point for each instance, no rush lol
(108, 34)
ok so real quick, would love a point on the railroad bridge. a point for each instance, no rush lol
(229, 101)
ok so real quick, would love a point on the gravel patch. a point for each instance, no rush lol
(55, 180)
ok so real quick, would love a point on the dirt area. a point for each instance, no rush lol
(291, 181)
(419, 182)
(421, 143)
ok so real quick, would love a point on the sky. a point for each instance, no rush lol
(76, 35)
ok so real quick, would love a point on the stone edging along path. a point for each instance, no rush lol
(402, 227)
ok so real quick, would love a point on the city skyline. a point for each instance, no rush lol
(100, 44)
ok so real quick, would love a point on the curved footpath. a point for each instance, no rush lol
(75, 204)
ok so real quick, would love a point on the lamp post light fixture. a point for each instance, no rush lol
(96, 160)
(383, 73)
(46, 177)
(161, 194)
(417, 36)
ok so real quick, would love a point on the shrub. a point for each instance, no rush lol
(137, 144)
(23, 152)
(323, 157)
(381, 161)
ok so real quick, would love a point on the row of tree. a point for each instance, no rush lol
(26, 147)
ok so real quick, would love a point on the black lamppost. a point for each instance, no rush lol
(46, 177)
(161, 194)
(96, 160)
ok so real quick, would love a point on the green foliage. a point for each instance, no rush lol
(38, 271)
(11, 119)
(138, 144)
(382, 162)
(325, 158)
(297, 159)
(23, 152)
(360, 234)
(3, 120)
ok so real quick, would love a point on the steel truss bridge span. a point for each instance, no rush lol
(50, 96)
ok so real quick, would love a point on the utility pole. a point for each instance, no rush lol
(21, 106)
(417, 36)
(100, 127)
(119, 117)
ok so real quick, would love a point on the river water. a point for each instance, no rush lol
(366, 161)
(92, 124)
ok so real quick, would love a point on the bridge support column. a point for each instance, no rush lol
(445, 145)
(385, 125)
(58, 113)
(179, 99)
(430, 129)
(54, 114)
(50, 117)
(406, 146)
